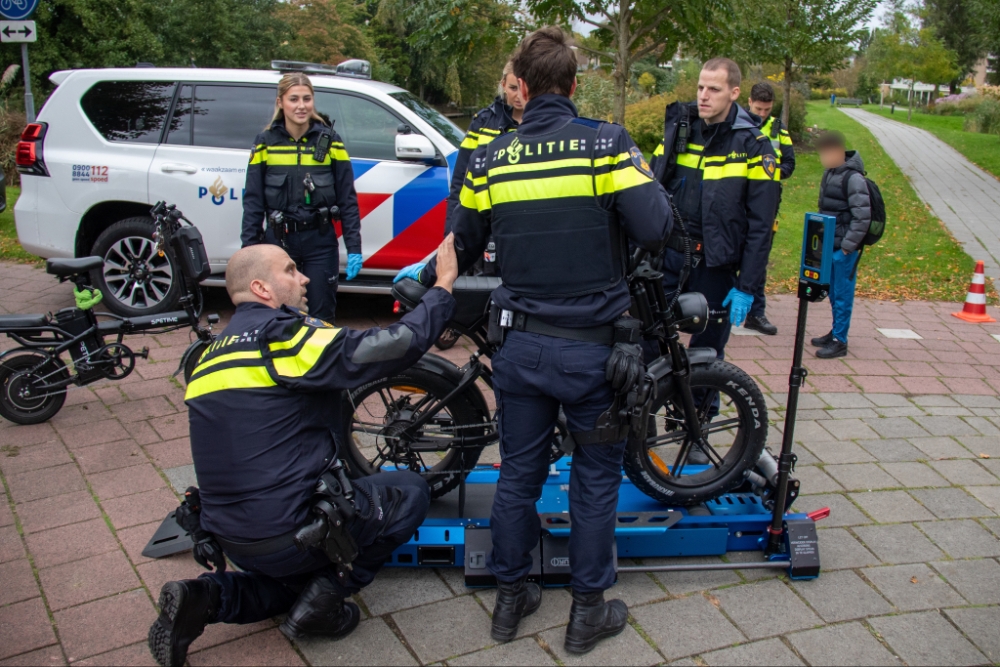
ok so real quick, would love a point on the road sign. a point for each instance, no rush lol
(16, 10)
(17, 31)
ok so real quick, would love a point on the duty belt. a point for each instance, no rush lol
(676, 242)
(603, 335)
(255, 548)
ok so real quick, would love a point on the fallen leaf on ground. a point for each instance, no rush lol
(913, 580)
(983, 455)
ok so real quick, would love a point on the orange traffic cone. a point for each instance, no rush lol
(975, 301)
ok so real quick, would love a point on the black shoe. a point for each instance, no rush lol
(186, 607)
(321, 610)
(514, 602)
(822, 341)
(447, 339)
(696, 457)
(832, 350)
(761, 324)
(591, 619)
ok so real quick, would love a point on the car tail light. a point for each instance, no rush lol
(28, 155)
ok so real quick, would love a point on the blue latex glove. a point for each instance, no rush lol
(739, 305)
(353, 266)
(411, 271)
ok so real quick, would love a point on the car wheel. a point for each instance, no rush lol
(135, 279)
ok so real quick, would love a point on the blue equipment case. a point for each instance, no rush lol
(646, 529)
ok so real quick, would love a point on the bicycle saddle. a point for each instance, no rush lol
(70, 267)
(472, 295)
(22, 321)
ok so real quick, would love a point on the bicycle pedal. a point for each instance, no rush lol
(144, 353)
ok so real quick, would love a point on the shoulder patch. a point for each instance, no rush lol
(770, 165)
(317, 323)
(639, 160)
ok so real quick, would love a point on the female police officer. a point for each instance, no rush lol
(300, 180)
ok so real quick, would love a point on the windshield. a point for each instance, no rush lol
(447, 128)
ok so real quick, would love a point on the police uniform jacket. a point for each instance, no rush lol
(725, 185)
(275, 175)
(562, 197)
(781, 142)
(486, 125)
(263, 407)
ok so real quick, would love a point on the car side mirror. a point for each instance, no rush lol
(414, 147)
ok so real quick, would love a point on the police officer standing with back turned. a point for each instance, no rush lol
(300, 181)
(263, 406)
(761, 103)
(562, 196)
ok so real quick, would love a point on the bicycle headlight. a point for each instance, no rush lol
(691, 312)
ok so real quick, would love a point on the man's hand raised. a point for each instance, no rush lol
(447, 263)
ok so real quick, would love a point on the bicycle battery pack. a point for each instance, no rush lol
(76, 322)
(189, 249)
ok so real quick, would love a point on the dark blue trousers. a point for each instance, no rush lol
(759, 300)
(715, 284)
(533, 375)
(316, 254)
(269, 585)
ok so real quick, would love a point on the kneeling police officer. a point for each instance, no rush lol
(273, 498)
(562, 196)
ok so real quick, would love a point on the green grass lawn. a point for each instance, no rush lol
(980, 149)
(916, 259)
(10, 248)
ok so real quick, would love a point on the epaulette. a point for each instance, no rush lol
(589, 122)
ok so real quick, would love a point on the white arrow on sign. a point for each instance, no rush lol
(17, 31)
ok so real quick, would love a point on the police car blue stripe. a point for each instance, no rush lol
(417, 197)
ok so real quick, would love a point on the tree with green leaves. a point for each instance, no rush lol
(960, 26)
(916, 55)
(220, 33)
(802, 36)
(324, 31)
(629, 30)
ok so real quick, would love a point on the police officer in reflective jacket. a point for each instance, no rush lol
(263, 406)
(563, 197)
(722, 175)
(301, 182)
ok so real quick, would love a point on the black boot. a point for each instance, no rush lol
(761, 324)
(514, 602)
(832, 350)
(822, 341)
(591, 619)
(186, 607)
(321, 610)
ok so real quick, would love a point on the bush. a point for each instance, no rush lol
(992, 92)
(595, 95)
(11, 125)
(824, 93)
(644, 121)
(955, 105)
(985, 118)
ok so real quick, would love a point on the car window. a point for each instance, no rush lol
(368, 129)
(129, 111)
(222, 117)
(439, 122)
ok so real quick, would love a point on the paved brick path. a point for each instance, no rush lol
(963, 196)
(892, 438)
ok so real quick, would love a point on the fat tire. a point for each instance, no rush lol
(49, 407)
(138, 226)
(748, 400)
(462, 409)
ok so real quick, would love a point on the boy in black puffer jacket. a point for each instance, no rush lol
(843, 193)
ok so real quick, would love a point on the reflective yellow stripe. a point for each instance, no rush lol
(289, 344)
(223, 358)
(483, 201)
(259, 155)
(659, 150)
(479, 181)
(715, 158)
(735, 170)
(612, 159)
(301, 363)
(469, 142)
(620, 179)
(242, 377)
(755, 160)
(540, 166)
(786, 140)
(758, 174)
(309, 161)
(542, 188)
(340, 155)
(467, 198)
(490, 131)
(689, 160)
(485, 139)
(696, 147)
(282, 159)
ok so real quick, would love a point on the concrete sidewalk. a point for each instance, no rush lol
(901, 439)
(963, 196)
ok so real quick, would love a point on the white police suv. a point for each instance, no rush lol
(109, 142)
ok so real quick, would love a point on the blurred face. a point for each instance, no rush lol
(762, 109)
(298, 105)
(832, 157)
(512, 91)
(286, 286)
(715, 96)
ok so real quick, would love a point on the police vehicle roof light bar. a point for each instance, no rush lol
(355, 68)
